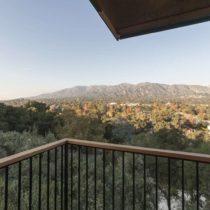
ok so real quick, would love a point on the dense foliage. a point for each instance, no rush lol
(176, 126)
(26, 118)
(173, 125)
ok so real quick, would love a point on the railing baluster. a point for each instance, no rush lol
(145, 191)
(55, 187)
(197, 186)
(66, 178)
(95, 177)
(169, 183)
(48, 180)
(134, 182)
(6, 188)
(19, 184)
(183, 187)
(87, 178)
(104, 181)
(71, 198)
(30, 182)
(113, 180)
(156, 184)
(61, 200)
(123, 181)
(79, 177)
(40, 182)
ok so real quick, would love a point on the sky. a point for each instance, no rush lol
(47, 45)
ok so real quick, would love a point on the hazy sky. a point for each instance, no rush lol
(46, 45)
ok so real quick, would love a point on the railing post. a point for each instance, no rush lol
(66, 178)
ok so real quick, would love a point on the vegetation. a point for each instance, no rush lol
(174, 125)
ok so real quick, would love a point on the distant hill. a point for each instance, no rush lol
(130, 92)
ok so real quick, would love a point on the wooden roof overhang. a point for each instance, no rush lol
(128, 18)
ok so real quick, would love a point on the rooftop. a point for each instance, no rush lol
(127, 18)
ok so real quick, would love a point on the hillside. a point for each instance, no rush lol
(130, 92)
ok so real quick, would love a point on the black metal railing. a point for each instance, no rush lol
(33, 179)
(75, 174)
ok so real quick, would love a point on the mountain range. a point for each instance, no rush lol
(131, 92)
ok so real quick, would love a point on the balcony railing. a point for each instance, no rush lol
(74, 174)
